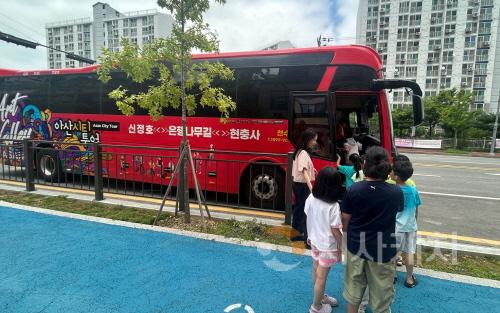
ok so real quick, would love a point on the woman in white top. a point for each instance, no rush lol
(303, 173)
(323, 227)
(351, 145)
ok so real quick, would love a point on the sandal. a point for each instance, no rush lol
(329, 300)
(411, 285)
(325, 308)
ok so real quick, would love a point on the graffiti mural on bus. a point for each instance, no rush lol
(19, 119)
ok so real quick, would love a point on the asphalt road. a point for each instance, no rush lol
(460, 194)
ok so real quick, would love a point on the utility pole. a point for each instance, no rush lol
(495, 127)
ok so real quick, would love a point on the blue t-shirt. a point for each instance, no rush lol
(373, 206)
(348, 171)
(406, 220)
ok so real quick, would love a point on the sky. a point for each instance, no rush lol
(240, 24)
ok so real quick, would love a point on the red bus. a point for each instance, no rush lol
(278, 95)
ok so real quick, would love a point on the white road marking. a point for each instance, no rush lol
(432, 222)
(458, 196)
(427, 175)
(492, 174)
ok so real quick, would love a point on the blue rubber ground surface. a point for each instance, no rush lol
(54, 264)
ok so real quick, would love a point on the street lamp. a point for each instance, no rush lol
(323, 40)
(31, 44)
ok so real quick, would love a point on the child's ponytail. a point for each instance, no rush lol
(355, 160)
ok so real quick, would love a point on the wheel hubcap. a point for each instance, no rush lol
(264, 187)
(47, 165)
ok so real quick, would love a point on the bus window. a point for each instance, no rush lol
(74, 93)
(311, 111)
(34, 87)
(108, 105)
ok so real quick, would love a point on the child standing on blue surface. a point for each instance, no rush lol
(350, 170)
(325, 237)
(406, 221)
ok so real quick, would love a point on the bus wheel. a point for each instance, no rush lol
(48, 165)
(265, 188)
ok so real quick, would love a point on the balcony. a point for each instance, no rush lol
(480, 84)
(483, 45)
(480, 71)
(415, 9)
(470, 44)
(482, 58)
(431, 86)
(473, 3)
(486, 17)
(435, 34)
(486, 3)
(485, 30)
(432, 73)
(436, 21)
(415, 22)
(411, 74)
(473, 16)
(438, 7)
(411, 61)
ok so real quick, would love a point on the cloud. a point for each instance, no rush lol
(345, 21)
(241, 24)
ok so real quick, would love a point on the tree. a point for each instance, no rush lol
(179, 81)
(402, 121)
(455, 111)
(482, 125)
(432, 114)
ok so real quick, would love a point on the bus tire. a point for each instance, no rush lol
(265, 188)
(48, 165)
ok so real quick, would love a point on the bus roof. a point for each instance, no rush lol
(347, 54)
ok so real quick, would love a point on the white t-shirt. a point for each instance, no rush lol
(302, 161)
(352, 146)
(321, 218)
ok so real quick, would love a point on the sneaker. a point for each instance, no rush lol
(329, 300)
(325, 308)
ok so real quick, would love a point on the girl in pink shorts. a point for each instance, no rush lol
(325, 237)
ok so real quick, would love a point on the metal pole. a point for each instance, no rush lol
(28, 159)
(495, 127)
(98, 185)
(288, 190)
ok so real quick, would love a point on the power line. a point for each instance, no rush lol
(25, 26)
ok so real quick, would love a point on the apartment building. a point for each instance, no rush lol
(440, 44)
(88, 36)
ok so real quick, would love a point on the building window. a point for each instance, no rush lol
(449, 43)
(449, 29)
(437, 5)
(481, 69)
(470, 27)
(482, 55)
(415, 20)
(447, 56)
(485, 14)
(469, 55)
(435, 44)
(433, 57)
(445, 82)
(432, 70)
(467, 69)
(436, 18)
(416, 7)
(446, 70)
(411, 71)
(451, 16)
(431, 83)
(478, 95)
(401, 46)
(483, 41)
(404, 7)
(485, 27)
(412, 58)
(402, 33)
(435, 31)
(413, 46)
(480, 82)
(470, 41)
(384, 34)
(466, 82)
(403, 20)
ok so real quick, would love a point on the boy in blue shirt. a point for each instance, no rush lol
(406, 221)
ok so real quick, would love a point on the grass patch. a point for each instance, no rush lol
(477, 266)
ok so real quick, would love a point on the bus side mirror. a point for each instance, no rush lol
(418, 107)
(418, 110)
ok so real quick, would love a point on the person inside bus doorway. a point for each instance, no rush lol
(303, 173)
